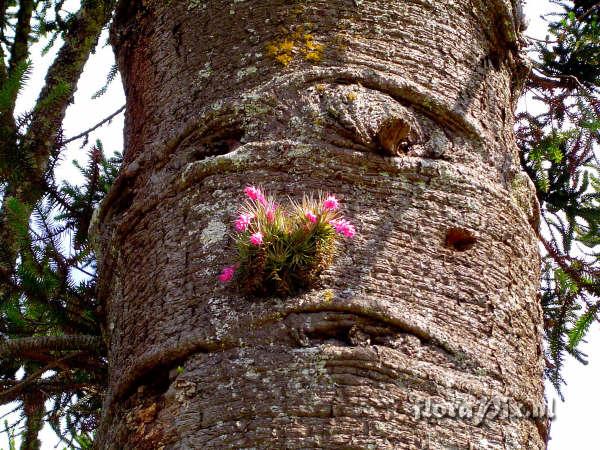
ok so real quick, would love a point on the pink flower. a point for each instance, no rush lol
(255, 194)
(226, 274)
(331, 203)
(344, 227)
(310, 216)
(242, 223)
(256, 238)
(270, 212)
(262, 200)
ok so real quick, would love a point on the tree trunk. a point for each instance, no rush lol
(404, 109)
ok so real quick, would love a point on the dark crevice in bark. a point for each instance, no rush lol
(379, 323)
(394, 137)
(344, 333)
(221, 142)
(460, 239)
(163, 361)
(177, 35)
(347, 329)
(154, 381)
(124, 201)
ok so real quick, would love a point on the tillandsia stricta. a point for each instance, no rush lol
(283, 250)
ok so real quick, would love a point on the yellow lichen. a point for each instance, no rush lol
(313, 56)
(328, 295)
(312, 51)
(284, 59)
(282, 51)
(351, 96)
(297, 42)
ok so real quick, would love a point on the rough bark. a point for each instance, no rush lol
(404, 108)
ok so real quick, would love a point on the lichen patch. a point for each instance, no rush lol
(213, 233)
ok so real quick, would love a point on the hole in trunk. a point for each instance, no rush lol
(124, 202)
(394, 137)
(154, 382)
(220, 142)
(460, 239)
(226, 141)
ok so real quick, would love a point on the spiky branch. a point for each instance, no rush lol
(45, 314)
(558, 151)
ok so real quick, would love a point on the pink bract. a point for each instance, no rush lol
(331, 203)
(242, 223)
(310, 216)
(256, 194)
(256, 238)
(226, 274)
(343, 227)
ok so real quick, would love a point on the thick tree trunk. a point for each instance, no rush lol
(404, 108)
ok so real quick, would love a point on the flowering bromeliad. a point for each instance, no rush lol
(281, 251)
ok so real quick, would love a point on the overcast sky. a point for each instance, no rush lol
(575, 426)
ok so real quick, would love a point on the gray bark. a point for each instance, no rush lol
(404, 108)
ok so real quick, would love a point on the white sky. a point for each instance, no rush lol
(575, 425)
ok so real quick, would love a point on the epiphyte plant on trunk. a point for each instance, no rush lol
(281, 251)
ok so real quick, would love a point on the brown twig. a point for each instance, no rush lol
(95, 127)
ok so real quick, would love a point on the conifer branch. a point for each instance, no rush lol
(3, 69)
(543, 81)
(17, 390)
(14, 391)
(13, 347)
(20, 48)
(61, 80)
(95, 127)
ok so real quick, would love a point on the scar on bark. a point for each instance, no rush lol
(220, 142)
(345, 332)
(395, 137)
(125, 200)
(155, 381)
(460, 239)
